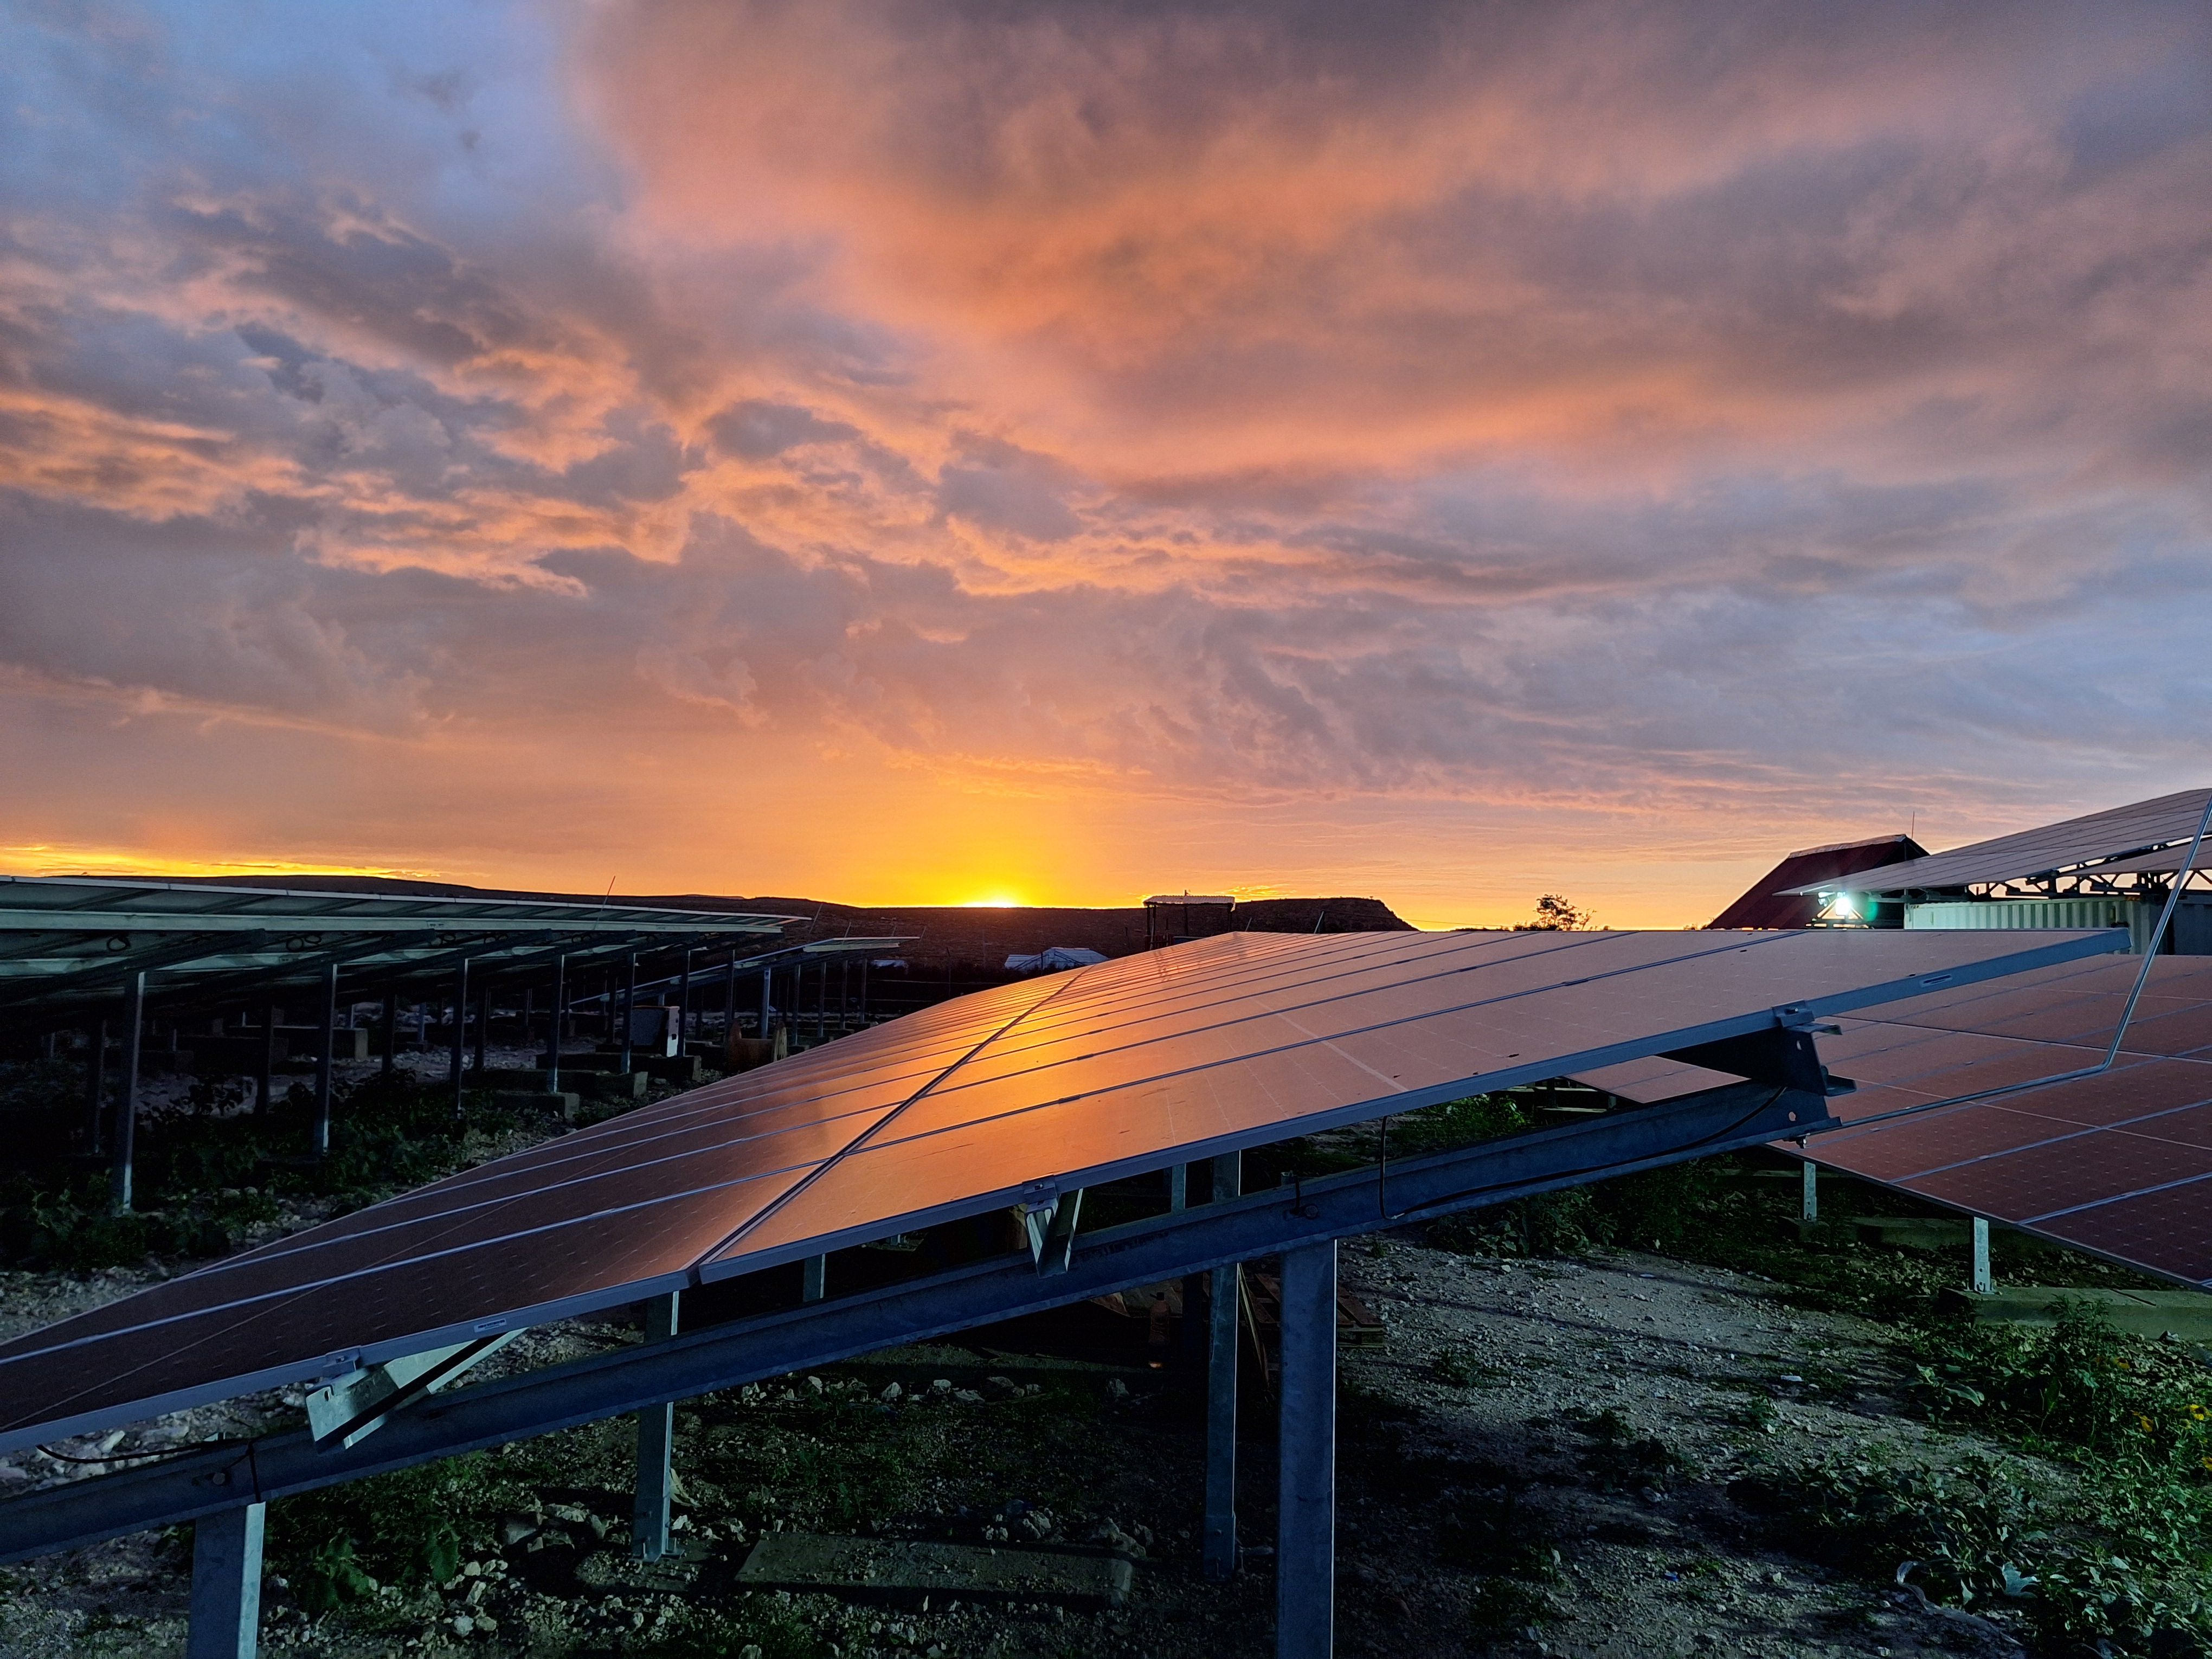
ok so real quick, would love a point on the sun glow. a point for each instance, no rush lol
(998, 901)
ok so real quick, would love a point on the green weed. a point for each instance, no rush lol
(413, 1526)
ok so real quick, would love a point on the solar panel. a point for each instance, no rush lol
(2119, 1163)
(2117, 833)
(1045, 1085)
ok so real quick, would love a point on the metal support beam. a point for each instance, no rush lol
(1305, 1526)
(814, 1279)
(656, 1446)
(318, 1138)
(1985, 1281)
(683, 1005)
(1225, 1288)
(1808, 1208)
(358, 1404)
(226, 1618)
(1178, 1187)
(553, 1021)
(767, 975)
(126, 1101)
(484, 1019)
(453, 1061)
(192, 1484)
(730, 1000)
(628, 1007)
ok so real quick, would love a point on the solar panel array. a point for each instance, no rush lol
(1114, 1069)
(66, 940)
(2120, 1164)
(2118, 832)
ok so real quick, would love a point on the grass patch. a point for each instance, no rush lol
(409, 1528)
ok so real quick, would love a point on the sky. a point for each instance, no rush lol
(936, 452)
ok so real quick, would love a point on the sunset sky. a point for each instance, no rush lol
(930, 452)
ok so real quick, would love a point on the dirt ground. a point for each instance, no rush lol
(1537, 1460)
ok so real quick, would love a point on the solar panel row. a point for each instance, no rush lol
(2116, 1163)
(2118, 832)
(2119, 1163)
(1113, 1069)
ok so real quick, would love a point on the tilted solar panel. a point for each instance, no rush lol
(2120, 831)
(1055, 1082)
(2119, 1163)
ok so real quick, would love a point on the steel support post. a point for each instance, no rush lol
(1810, 1207)
(628, 1007)
(683, 1005)
(126, 1099)
(484, 1020)
(863, 992)
(1218, 1547)
(1178, 1186)
(318, 1138)
(553, 1023)
(729, 1002)
(390, 1032)
(656, 1445)
(814, 1281)
(844, 995)
(821, 1000)
(226, 1618)
(95, 1087)
(1984, 1282)
(456, 1056)
(1305, 1530)
(767, 976)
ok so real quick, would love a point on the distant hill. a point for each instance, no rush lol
(943, 935)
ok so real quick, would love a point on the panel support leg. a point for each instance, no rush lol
(553, 1023)
(483, 1021)
(625, 1064)
(126, 1104)
(656, 1445)
(318, 1140)
(815, 1283)
(1808, 1208)
(1305, 1541)
(226, 1619)
(1217, 1545)
(1984, 1283)
(457, 1055)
